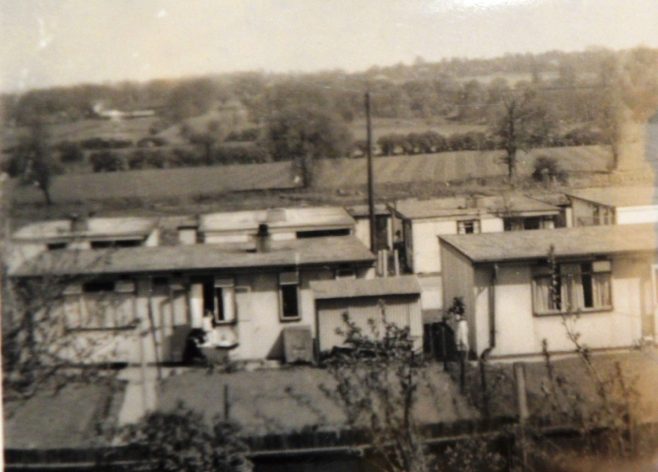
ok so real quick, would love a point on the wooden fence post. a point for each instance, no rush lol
(227, 403)
(483, 385)
(522, 408)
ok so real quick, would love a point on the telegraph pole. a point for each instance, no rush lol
(371, 183)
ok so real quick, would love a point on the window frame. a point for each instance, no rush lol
(294, 280)
(473, 221)
(224, 283)
(75, 294)
(563, 311)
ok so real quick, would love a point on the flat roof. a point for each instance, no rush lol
(354, 288)
(618, 196)
(364, 210)
(513, 204)
(97, 227)
(536, 244)
(298, 252)
(315, 217)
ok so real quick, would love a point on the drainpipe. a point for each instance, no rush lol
(492, 313)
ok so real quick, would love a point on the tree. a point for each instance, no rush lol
(304, 135)
(181, 440)
(377, 386)
(208, 139)
(33, 160)
(522, 122)
(37, 346)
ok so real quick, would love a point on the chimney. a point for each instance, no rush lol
(79, 223)
(263, 238)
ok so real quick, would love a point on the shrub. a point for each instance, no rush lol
(106, 161)
(181, 440)
(547, 169)
(70, 152)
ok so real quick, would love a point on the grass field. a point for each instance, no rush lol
(454, 166)
(153, 184)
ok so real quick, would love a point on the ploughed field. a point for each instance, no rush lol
(334, 173)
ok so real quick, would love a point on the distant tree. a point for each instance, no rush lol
(522, 122)
(33, 160)
(207, 140)
(304, 135)
(387, 143)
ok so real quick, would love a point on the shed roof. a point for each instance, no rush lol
(353, 288)
(96, 227)
(316, 217)
(513, 204)
(535, 244)
(309, 251)
(618, 196)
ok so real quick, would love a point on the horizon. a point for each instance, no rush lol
(72, 42)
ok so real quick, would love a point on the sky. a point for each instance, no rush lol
(61, 42)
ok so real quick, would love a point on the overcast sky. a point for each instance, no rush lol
(56, 42)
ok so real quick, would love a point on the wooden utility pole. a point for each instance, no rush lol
(371, 183)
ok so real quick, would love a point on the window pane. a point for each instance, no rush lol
(219, 305)
(601, 290)
(289, 301)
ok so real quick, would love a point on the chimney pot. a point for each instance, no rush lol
(263, 238)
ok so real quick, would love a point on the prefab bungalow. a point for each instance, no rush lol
(368, 303)
(81, 232)
(423, 221)
(283, 224)
(520, 288)
(140, 303)
(614, 205)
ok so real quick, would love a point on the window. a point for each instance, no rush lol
(100, 305)
(323, 233)
(219, 300)
(468, 227)
(103, 244)
(56, 246)
(289, 295)
(345, 273)
(573, 287)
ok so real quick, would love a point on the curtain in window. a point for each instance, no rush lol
(572, 288)
(601, 290)
(542, 296)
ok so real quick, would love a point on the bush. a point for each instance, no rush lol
(182, 157)
(246, 135)
(152, 141)
(101, 143)
(547, 169)
(249, 154)
(181, 440)
(106, 161)
(70, 152)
